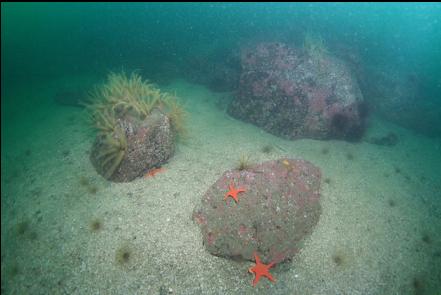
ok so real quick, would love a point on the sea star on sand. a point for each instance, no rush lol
(153, 172)
(261, 269)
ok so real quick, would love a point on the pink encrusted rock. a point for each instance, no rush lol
(279, 208)
(291, 94)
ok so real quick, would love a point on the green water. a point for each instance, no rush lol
(49, 48)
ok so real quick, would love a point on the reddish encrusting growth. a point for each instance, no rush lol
(279, 83)
(279, 208)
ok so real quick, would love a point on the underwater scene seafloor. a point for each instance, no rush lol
(197, 148)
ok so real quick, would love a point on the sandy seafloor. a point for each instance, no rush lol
(381, 211)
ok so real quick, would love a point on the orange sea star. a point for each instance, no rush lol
(261, 269)
(153, 172)
(233, 192)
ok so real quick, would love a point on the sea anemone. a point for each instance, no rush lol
(243, 163)
(124, 98)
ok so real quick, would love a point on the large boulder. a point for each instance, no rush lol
(297, 93)
(279, 208)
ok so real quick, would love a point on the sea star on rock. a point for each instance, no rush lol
(261, 269)
(233, 192)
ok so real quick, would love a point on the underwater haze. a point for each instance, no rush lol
(161, 148)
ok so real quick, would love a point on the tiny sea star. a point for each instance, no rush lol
(233, 192)
(261, 269)
(153, 172)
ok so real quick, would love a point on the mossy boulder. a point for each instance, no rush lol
(149, 144)
(137, 127)
(279, 208)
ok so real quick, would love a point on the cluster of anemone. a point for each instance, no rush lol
(112, 150)
(127, 96)
(244, 163)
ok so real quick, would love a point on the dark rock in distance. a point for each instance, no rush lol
(71, 97)
(295, 94)
(391, 139)
(401, 97)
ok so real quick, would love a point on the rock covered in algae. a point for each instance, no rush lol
(279, 208)
(149, 143)
(137, 127)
